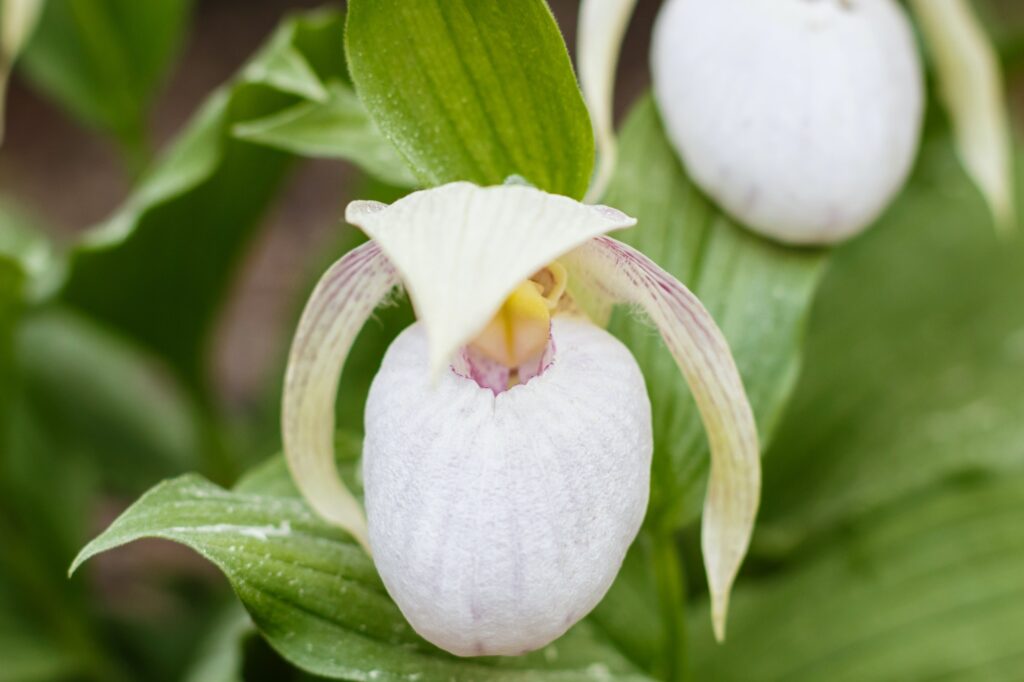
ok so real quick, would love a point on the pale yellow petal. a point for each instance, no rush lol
(971, 81)
(461, 250)
(602, 25)
(703, 356)
(342, 301)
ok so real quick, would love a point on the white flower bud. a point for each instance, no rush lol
(800, 117)
(499, 521)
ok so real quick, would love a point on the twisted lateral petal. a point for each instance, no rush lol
(462, 249)
(626, 275)
(971, 82)
(602, 26)
(342, 301)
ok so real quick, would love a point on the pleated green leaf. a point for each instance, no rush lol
(915, 362)
(476, 91)
(30, 269)
(159, 268)
(104, 60)
(758, 292)
(337, 127)
(314, 594)
(929, 589)
(27, 655)
(100, 396)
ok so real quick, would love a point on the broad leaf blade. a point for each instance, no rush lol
(99, 396)
(929, 589)
(104, 59)
(758, 292)
(29, 656)
(336, 128)
(315, 595)
(474, 91)
(160, 267)
(30, 269)
(915, 362)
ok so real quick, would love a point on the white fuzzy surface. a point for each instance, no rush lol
(800, 117)
(497, 522)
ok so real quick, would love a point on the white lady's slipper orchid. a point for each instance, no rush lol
(801, 119)
(506, 459)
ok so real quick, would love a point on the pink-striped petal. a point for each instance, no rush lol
(625, 275)
(341, 303)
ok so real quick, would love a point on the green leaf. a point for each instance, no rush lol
(758, 292)
(314, 594)
(98, 395)
(29, 271)
(25, 248)
(336, 128)
(473, 91)
(221, 654)
(930, 589)
(29, 657)
(160, 267)
(103, 60)
(915, 362)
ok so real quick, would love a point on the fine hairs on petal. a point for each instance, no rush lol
(461, 249)
(341, 303)
(971, 84)
(625, 275)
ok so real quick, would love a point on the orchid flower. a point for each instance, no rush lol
(507, 450)
(802, 119)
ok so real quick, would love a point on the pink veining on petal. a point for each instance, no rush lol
(623, 274)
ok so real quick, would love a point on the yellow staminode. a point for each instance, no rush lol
(519, 330)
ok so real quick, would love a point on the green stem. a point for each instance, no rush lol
(670, 581)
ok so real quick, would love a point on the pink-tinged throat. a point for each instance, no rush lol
(497, 377)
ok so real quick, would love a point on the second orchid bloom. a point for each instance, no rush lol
(508, 437)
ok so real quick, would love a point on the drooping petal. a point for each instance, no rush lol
(499, 521)
(342, 301)
(462, 249)
(626, 275)
(602, 25)
(971, 81)
(17, 20)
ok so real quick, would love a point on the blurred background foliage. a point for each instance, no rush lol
(171, 183)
